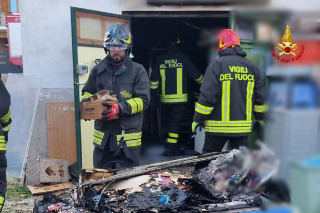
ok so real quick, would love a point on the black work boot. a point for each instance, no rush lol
(172, 150)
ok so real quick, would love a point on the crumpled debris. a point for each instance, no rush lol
(94, 201)
(168, 198)
(239, 171)
(227, 183)
(51, 203)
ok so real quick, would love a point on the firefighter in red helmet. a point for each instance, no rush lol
(231, 96)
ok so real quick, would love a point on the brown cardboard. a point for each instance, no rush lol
(92, 107)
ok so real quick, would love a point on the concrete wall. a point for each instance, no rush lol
(38, 146)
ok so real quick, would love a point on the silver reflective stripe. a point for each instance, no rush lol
(244, 123)
(250, 87)
(225, 103)
(130, 136)
(2, 147)
(228, 130)
(98, 133)
(179, 80)
(95, 140)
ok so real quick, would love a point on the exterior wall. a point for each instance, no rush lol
(46, 38)
(46, 31)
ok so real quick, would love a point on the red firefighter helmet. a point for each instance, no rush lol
(228, 38)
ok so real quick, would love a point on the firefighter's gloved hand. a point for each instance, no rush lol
(111, 111)
(195, 125)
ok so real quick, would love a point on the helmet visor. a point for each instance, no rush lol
(117, 47)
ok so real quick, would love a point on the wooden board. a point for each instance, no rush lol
(5, 6)
(46, 189)
(61, 131)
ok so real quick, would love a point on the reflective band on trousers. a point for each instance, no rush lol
(171, 140)
(174, 98)
(132, 139)
(203, 109)
(136, 105)
(250, 87)
(154, 84)
(173, 135)
(86, 95)
(200, 79)
(260, 108)
(179, 81)
(1, 200)
(225, 102)
(6, 117)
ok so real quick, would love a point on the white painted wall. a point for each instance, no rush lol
(46, 31)
(46, 37)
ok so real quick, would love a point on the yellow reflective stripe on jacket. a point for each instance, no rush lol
(154, 84)
(6, 117)
(228, 129)
(2, 143)
(6, 128)
(250, 87)
(199, 80)
(260, 108)
(98, 133)
(179, 81)
(98, 137)
(173, 135)
(97, 140)
(171, 140)
(212, 123)
(174, 98)
(203, 109)
(163, 83)
(136, 105)
(225, 102)
(86, 95)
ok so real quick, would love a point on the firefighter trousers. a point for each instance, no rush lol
(3, 179)
(216, 143)
(106, 159)
(174, 114)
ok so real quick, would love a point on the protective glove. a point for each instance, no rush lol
(111, 111)
(195, 125)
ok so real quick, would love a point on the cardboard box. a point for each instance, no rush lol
(93, 107)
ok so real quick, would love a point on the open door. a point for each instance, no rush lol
(88, 29)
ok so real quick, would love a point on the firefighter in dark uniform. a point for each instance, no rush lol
(169, 77)
(117, 141)
(231, 92)
(5, 122)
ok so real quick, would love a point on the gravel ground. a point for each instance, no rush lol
(18, 198)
